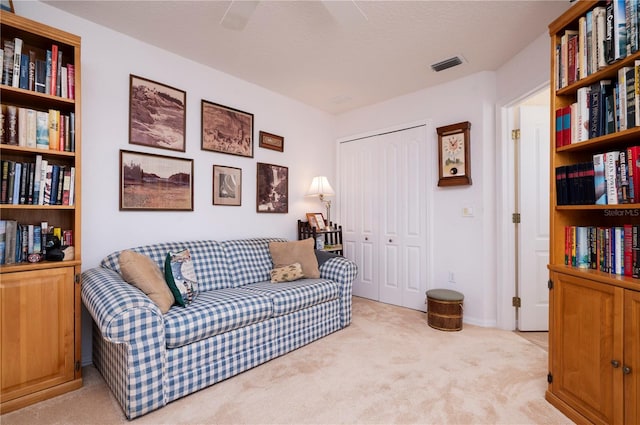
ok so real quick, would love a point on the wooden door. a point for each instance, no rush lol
(631, 363)
(586, 338)
(37, 330)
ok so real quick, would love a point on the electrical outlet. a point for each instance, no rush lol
(451, 277)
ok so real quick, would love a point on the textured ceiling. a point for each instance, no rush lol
(335, 56)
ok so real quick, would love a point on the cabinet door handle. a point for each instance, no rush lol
(626, 370)
(615, 363)
(366, 239)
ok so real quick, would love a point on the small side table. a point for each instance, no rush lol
(444, 309)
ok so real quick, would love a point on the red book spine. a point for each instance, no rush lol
(628, 254)
(559, 125)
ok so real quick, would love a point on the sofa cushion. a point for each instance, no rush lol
(181, 277)
(249, 260)
(143, 273)
(285, 253)
(215, 312)
(288, 297)
(209, 260)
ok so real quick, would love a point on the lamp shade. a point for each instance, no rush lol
(320, 187)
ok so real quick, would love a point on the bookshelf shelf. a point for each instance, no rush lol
(40, 337)
(593, 311)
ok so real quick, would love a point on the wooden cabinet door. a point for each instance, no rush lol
(631, 358)
(37, 330)
(586, 338)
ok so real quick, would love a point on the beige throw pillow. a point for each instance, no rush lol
(286, 253)
(287, 273)
(143, 273)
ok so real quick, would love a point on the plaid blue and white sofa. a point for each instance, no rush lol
(238, 320)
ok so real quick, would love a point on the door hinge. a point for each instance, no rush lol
(516, 302)
(549, 378)
(515, 218)
(78, 279)
(515, 134)
(77, 366)
(550, 284)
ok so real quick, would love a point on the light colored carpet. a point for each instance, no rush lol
(387, 367)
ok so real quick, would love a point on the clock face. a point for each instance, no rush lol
(453, 155)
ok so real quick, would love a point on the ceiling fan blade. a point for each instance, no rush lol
(238, 14)
(346, 13)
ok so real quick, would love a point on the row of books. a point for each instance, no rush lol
(18, 241)
(613, 250)
(611, 178)
(606, 34)
(50, 129)
(37, 183)
(605, 107)
(25, 68)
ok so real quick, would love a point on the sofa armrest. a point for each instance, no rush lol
(342, 271)
(121, 311)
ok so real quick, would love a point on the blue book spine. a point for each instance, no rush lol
(16, 184)
(24, 72)
(37, 239)
(55, 175)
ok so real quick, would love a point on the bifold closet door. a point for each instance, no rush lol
(383, 199)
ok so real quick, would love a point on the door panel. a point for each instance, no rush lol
(534, 211)
(632, 357)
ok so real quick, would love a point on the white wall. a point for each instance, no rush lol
(108, 58)
(460, 245)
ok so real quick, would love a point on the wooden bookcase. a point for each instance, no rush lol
(594, 323)
(40, 302)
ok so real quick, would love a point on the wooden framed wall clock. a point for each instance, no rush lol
(454, 163)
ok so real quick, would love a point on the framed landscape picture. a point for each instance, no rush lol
(272, 194)
(155, 182)
(271, 141)
(157, 114)
(227, 185)
(226, 130)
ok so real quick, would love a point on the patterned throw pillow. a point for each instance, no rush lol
(181, 277)
(287, 273)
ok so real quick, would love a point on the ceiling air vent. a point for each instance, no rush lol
(447, 63)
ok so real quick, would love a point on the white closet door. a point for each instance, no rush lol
(383, 204)
(403, 222)
(357, 183)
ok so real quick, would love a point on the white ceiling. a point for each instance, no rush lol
(335, 56)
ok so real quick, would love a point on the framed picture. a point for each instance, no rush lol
(155, 182)
(227, 185)
(271, 141)
(272, 194)
(157, 114)
(226, 130)
(316, 220)
(7, 6)
(454, 162)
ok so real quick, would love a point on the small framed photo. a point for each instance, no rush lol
(316, 220)
(157, 114)
(226, 130)
(227, 185)
(155, 182)
(271, 141)
(272, 194)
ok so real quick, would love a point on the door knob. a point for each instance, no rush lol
(615, 363)
(366, 239)
(626, 370)
(390, 240)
